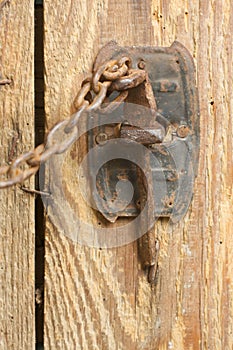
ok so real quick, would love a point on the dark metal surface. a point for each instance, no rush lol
(172, 133)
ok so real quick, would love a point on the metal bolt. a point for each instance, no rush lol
(183, 131)
(101, 138)
(141, 64)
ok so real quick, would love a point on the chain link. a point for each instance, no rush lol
(114, 75)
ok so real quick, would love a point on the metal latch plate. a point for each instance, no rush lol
(172, 164)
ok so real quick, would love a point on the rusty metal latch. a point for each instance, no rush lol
(161, 114)
(139, 111)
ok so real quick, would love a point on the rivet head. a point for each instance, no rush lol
(101, 138)
(183, 131)
(141, 64)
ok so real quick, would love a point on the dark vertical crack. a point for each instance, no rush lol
(39, 208)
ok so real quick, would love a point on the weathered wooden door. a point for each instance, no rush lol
(100, 298)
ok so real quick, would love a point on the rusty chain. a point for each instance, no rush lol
(114, 75)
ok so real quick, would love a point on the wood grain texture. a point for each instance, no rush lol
(17, 329)
(100, 299)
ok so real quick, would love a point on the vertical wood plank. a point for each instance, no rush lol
(17, 330)
(100, 299)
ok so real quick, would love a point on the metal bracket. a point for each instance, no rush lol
(161, 114)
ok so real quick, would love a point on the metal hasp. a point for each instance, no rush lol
(161, 114)
(150, 140)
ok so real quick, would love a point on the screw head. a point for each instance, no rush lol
(183, 131)
(141, 64)
(101, 138)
